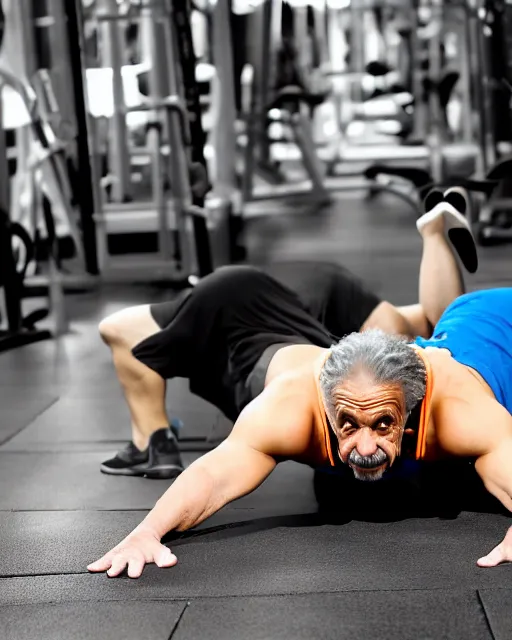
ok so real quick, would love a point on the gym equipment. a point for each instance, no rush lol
(46, 168)
(492, 213)
(112, 58)
(448, 162)
(285, 100)
(17, 330)
(181, 11)
(492, 218)
(497, 23)
(374, 106)
(225, 232)
(14, 334)
(287, 107)
(491, 34)
(84, 171)
(41, 102)
(329, 169)
(173, 123)
(40, 204)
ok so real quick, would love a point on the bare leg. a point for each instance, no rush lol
(143, 389)
(440, 280)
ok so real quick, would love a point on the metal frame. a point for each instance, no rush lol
(86, 187)
(256, 153)
(12, 333)
(50, 163)
(112, 57)
(437, 149)
(171, 216)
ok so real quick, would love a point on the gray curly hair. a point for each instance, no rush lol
(387, 358)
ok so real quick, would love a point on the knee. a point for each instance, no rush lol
(128, 327)
(112, 329)
(108, 329)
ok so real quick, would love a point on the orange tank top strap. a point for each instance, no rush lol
(421, 444)
(321, 416)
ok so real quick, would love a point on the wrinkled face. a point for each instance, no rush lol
(369, 424)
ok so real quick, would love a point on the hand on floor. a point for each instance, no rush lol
(139, 548)
(501, 553)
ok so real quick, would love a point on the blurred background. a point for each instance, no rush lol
(147, 142)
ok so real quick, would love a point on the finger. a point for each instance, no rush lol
(494, 558)
(136, 566)
(164, 557)
(118, 566)
(102, 564)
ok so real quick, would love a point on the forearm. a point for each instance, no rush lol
(504, 496)
(191, 499)
(228, 472)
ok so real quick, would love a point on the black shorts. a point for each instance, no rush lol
(216, 333)
(332, 294)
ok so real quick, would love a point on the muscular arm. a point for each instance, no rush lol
(496, 472)
(228, 472)
(276, 424)
(482, 428)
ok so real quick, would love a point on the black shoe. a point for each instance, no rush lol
(454, 208)
(162, 458)
(130, 461)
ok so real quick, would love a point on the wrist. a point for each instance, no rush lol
(158, 523)
(147, 526)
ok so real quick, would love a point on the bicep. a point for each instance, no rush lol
(496, 471)
(276, 425)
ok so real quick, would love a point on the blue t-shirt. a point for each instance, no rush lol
(477, 330)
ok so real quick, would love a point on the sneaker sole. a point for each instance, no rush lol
(136, 470)
(454, 219)
(458, 231)
(163, 472)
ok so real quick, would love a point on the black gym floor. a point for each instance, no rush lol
(277, 572)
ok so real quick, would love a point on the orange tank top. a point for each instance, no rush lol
(322, 428)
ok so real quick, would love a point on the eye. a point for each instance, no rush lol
(384, 423)
(348, 427)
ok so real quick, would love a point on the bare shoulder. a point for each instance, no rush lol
(279, 422)
(468, 420)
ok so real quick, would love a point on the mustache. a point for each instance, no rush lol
(377, 459)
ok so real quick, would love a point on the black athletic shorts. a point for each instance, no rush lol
(216, 333)
(332, 294)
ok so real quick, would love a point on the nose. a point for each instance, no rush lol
(366, 445)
